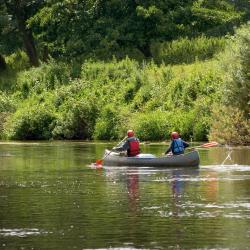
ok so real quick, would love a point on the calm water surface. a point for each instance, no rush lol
(51, 198)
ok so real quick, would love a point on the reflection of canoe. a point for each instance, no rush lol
(190, 159)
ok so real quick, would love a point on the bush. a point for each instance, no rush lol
(6, 102)
(153, 126)
(7, 106)
(17, 61)
(236, 64)
(14, 63)
(229, 126)
(77, 120)
(187, 50)
(107, 124)
(30, 123)
(47, 76)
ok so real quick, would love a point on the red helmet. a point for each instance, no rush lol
(130, 133)
(174, 135)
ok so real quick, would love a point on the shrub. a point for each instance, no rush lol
(6, 102)
(15, 63)
(47, 76)
(30, 123)
(7, 106)
(236, 64)
(186, 50)
(107, 124)
(229, 126)
(77, 120)
(152, 126)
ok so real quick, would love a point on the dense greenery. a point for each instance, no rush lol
(106, 66)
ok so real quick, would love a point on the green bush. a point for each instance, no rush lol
(30, 123)
(77, 120)
(48, 76)
(16, 62)
(236, 65)
(107, 124)
(229, 126)
(153, 126)
(7, 106)
(186, 50)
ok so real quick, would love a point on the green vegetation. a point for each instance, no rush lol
(154, 68)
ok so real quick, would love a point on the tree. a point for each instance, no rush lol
(215, 17)
(19, 11)
(236, 62)
(73, 28)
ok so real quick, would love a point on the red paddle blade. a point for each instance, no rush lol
(210, 144)
(98, 162)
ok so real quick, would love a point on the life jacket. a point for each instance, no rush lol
(178, 147)
(134, 146)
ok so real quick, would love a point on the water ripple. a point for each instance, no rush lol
(21, 232)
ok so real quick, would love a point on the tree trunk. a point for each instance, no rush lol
(2, 63)
(29, 43)
(17, 8)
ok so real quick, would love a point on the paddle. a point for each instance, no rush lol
(100, 161)
(207, 145)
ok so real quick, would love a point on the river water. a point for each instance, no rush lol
(51, 197)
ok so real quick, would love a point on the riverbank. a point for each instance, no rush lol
(101, 100)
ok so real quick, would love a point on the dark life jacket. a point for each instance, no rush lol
(178, 147)
(134, 147)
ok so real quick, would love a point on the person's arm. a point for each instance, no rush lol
(123, 147)
(169, 148)
(185, 144)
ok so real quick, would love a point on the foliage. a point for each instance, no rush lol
(236, 64)
(15, 63)
(10, 40)
(230, 126)
(107, 124)
(48, 76)
(101, 29)
(151, 126)
(7, 106)
(30, 122)
(102, 99)
(76, 120)
(186, 50)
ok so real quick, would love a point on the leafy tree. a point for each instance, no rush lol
(214, 17)
(9, 39)
(236, 63)
(19, 11)
(243, 6)
(95, 27)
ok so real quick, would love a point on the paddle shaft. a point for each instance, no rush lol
(206, 145)
(100, 161)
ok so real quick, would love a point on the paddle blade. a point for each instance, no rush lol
(98, 162)
(209, 144)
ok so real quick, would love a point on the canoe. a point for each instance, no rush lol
(190, 159)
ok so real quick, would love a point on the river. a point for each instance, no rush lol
(51, 197)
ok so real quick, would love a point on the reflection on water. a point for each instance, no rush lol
(51, 199)
(23, 232)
